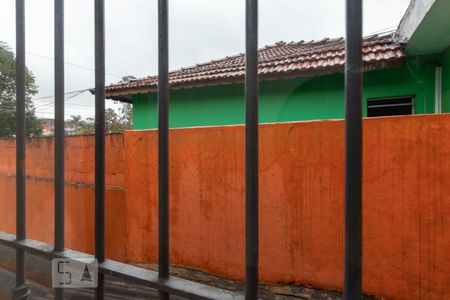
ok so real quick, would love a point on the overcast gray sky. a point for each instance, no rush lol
(200, 30)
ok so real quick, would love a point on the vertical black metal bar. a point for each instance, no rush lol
(163, 141)
(59, 132)
(20, 119)
(21, 290)
(59, 125)
(251, 151)
(353, 152)
(100, 139)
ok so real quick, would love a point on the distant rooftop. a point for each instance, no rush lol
(281, 60)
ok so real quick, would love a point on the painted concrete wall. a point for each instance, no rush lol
(312, 98)
(79, 189)
(445, 62)
(406, 201)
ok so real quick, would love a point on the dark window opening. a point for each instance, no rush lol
(390, 107)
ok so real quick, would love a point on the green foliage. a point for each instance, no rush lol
(8, 96)
(119, 123)
(126, 117)
(76, 125)
(115, 123)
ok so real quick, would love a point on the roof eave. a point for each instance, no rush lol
(125, 95)
(416, 12)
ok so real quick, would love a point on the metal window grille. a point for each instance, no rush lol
(161, 280)
(393, 106)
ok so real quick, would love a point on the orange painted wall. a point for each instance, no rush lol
(79, 191)
(406, 201)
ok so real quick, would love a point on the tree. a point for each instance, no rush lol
(76, 125)
(74, 122)
(8, 96)
(126, 117)
(89, 126)
(114, 122)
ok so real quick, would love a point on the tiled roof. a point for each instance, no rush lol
(282, 60)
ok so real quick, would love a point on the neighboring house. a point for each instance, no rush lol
(48, 126)
(71, 130)
(406, 72)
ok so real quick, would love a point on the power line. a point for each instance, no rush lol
(43, 112)
(71, 111)
(42, 107)
(70, 64)
(72, 94)
(48, 104)
(68, 93)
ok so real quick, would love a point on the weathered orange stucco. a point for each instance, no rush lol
(406, 201)
(79, 191)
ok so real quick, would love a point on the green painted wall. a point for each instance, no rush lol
(297, 99)
(445, 62)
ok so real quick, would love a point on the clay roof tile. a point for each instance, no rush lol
(279, 60)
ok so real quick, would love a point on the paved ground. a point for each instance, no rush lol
(39, 273)
(115, 290)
